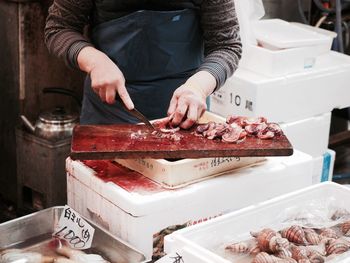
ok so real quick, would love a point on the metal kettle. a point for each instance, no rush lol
(55, 124)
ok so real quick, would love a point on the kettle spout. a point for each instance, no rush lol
(27, 123)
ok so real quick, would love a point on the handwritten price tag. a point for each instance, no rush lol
(74, 229)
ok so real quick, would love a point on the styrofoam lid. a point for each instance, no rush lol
(279, 34)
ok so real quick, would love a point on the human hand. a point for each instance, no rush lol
(187, 105)
(106, 78)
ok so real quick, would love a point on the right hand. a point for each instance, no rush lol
(106, 78)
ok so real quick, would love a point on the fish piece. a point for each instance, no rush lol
(265, 135)
(202, 128)
(275, 128)
(233, 135)
(235, 119)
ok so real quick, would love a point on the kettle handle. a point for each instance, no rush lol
(63, 91)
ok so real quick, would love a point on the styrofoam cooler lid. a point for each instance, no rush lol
(280, 34)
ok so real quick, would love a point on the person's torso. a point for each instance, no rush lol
(106, 10)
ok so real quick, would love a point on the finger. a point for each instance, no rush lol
(173, 104)
(202, 112)
(192, 117)
(102, 94)
(125, 97)
(110, 94)
(180, 112)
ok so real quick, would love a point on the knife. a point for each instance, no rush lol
(138, 115)
(141, 117)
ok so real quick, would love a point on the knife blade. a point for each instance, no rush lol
(137, 114)
(141, 117)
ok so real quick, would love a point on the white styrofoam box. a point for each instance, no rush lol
(135, 208)
(274, 63)
(284, 61)
(174, 174)
(309, 135)
(289, 98)
(279, 34)
(201, 243)
(323, 167)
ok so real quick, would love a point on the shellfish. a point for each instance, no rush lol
(316, 258)
(263, 238)
(264, 257)
(337, 246)
(329, 233)
(278, 243)
(238, 247)
(283, 253)
(299, 252)
(345, 228)
(295, 234)
(312, 237)
(254, 250)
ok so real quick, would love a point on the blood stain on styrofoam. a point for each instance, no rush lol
(130, 180)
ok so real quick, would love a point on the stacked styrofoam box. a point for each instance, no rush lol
(286, 98)
(135, 208)
(323, 167)
(301, 103)
(204, 243)
(275, 47)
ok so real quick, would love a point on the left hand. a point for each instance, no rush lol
(187, 105)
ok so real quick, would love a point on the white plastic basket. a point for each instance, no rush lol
(200, 243)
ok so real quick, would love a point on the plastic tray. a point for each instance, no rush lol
(34, 231)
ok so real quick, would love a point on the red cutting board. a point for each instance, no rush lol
(91, 142)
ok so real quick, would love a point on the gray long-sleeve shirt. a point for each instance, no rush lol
(222, 46)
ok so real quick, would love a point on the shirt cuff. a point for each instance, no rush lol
(218, 72)
(73, 52)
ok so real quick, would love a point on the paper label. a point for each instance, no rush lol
(74, 229)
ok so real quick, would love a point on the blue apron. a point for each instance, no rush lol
(157, 51)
